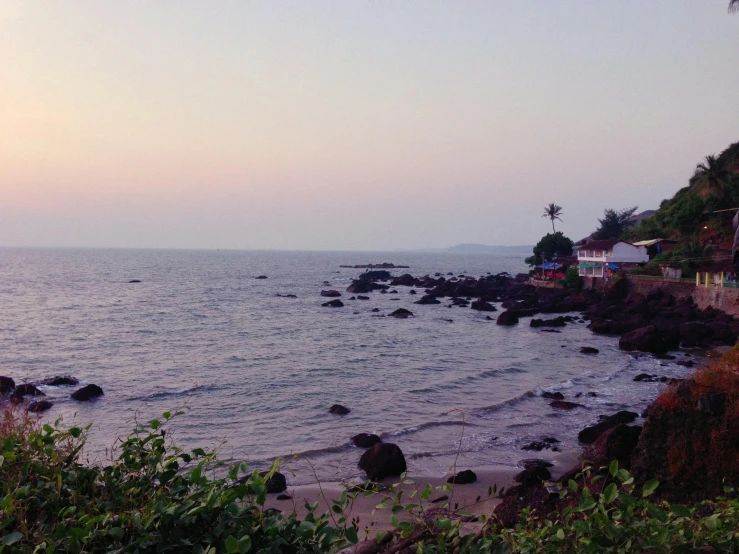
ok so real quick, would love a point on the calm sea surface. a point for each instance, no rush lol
(259, 372)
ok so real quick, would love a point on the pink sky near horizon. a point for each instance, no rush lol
(357, 125)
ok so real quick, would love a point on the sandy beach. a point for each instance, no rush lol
(474, 498)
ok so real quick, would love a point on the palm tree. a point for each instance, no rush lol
(710, 176)
(552, 211)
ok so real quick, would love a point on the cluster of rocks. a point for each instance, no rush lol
(18, 393)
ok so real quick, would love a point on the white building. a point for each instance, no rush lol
(594, 257)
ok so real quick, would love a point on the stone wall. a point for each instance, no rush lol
(724, 299)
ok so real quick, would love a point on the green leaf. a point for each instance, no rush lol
(680, 510)
(560, 534)
(610, 494)
(75, 432)
(351, 535)
(155, 424)
(244, 544)
(12, 538)
(116, 532)
(649, 487)
(613, 468)
(232, 545)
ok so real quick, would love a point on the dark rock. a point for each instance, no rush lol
(338, 409)
(488, 318)
(6, 384)
(26, 389)
(533, 476)
(60, 381)
(261, 277)
(427, 299)
(39, 406)
(87, 392)
(276, 483)
(283, 497)
(507, 318)
(442, 498)
(360, 297)
(550, 331)
(365, 440)
(402, 313)
(694, 333)
(553, 395)
(616, 443)
(650, 339)
(393, 292)
(685, 363)
(536, 446)
(135, 281)
(353, 298)
(646, 377)
(333, 304)
(589, 350)
(375, 310)
(590, 434)
(712, 404)
(482, 306)
(463, 478)
(565, 405)
(382, 460)
(331, 293)
(413, 291)
(556, 322)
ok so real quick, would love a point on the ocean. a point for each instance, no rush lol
(257, 372)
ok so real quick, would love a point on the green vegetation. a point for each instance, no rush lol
(552, 211)
(548, 246)
(155, 497)
(690, 215)
(614, 224)
(572, 279)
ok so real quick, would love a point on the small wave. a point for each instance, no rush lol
(555, 387)
(237, 359)
(424, 426)
(505, 403)
(176, 392)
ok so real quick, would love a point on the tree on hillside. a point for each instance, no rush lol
(614, 223)
(552, 211)
(710, 178)
(548, 246)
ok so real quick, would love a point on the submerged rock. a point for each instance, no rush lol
(330, 293)
(26, 389)
(60, 380)
(428, 299)
(482, 306)
(87, 392)
(383, 460)
(402, 313)
(333, 304)
(589, 350)
(261, 277)
(553, 395)
(338, 409)
(39, 406)
(565, 405)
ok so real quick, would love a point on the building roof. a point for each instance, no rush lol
(652, 241)
(600, 244)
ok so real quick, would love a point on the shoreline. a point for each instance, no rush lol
(470, 498)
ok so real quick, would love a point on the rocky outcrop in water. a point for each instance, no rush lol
(330, 293)
(338, 409)
(60, 380)
(7, 385)
(402, 313)
(87, 392)
(365, 440)
(465, 477)
(39, 406)
(333, 304)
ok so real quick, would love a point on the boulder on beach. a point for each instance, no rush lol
(463, 478)
(360, 297)
(428, 299)
(60, 380)
(39, 406)
(383, 460)
(507, 318)
(402, 313)
(365, 440)
(338, 409)
(88, 392)
(275, 484)
(135, 281)
(589, 350)
(333, 304)
(556, 322)
(375, 310)
(616, 443)
(533, 475)
(330, 293)
(7, 384)
(261, 277)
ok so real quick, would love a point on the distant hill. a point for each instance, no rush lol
(486, 249)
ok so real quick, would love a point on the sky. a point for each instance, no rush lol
(351, 125)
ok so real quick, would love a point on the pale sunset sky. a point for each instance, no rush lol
(352, 124)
